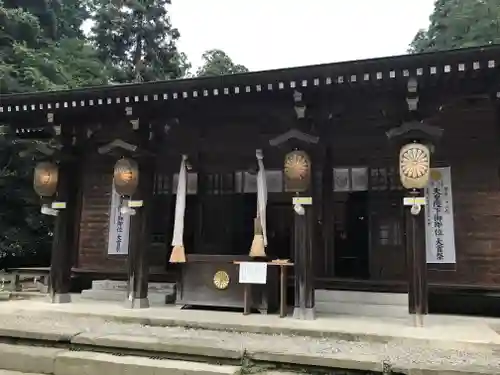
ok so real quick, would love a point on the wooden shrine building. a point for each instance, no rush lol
(353, 236)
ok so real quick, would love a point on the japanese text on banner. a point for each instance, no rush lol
(439, 229)
(119, 225)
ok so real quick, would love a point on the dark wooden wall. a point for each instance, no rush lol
(471, 146)
(94, 223)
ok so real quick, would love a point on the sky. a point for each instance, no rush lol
(271, 34)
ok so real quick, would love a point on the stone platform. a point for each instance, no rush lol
(447, 345)
(116, 291)
(459, 330)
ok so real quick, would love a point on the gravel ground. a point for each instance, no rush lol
(394, 353)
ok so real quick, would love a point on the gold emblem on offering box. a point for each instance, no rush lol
(221, 280)
(297, 171)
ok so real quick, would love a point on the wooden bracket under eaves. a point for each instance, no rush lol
(119, 147)
(294, 134)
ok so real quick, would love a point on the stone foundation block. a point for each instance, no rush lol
(88, 363)
(28, 359)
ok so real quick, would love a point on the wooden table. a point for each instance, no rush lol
(283, 285)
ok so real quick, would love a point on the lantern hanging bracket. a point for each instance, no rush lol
(415, 130)
(294, 134)
(33, 147)
(49, 211)
(52, 209)
(415, 203)
(117, 143)
(124, 210)
(121, 148)
(129, 206)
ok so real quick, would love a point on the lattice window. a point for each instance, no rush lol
(275, 181)
(248, 182)
(162, 184)
(244, 182)
(378, 179)
(350, 179)
(382, 179)
(161, 208)
(389, 232)
(221, 183)
(192, 183)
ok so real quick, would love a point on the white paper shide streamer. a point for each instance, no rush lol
(178, 252)
(259, 242)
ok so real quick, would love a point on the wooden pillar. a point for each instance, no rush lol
(415, 131)
(417, 265)
(76, 199)
(140, 239)
(201, 193)
(140, 228)
(304, 307)
(327, 223)
(64, 227)
(299, 174)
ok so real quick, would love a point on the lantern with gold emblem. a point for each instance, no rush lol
(45, 178)
(126, 177)
(297, 171)
(414, 165)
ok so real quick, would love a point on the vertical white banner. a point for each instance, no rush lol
(440, 229)
(119, 226)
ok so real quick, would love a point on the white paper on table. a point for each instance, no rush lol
(253, 273)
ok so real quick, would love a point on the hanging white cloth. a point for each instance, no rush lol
(261, 194)
(180, 205)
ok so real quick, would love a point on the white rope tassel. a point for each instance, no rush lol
(261, 194)
(178, 254)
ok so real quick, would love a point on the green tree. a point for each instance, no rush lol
(137, 39)
(34, 56)
(57, 18)
(459, 24)
(217, 62)
(24, 233)
(70, 16)
(41, 48)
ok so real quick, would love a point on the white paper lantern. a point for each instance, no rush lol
(414, 165)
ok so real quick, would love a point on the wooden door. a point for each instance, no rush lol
(387, 253)
(279, 230)
(351, 235)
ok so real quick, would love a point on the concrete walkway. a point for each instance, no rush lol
(446, 345)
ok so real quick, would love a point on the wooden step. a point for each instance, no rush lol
(361, 303)
(371, 298)
(84, 363)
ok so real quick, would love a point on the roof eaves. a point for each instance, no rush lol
(352, 72)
